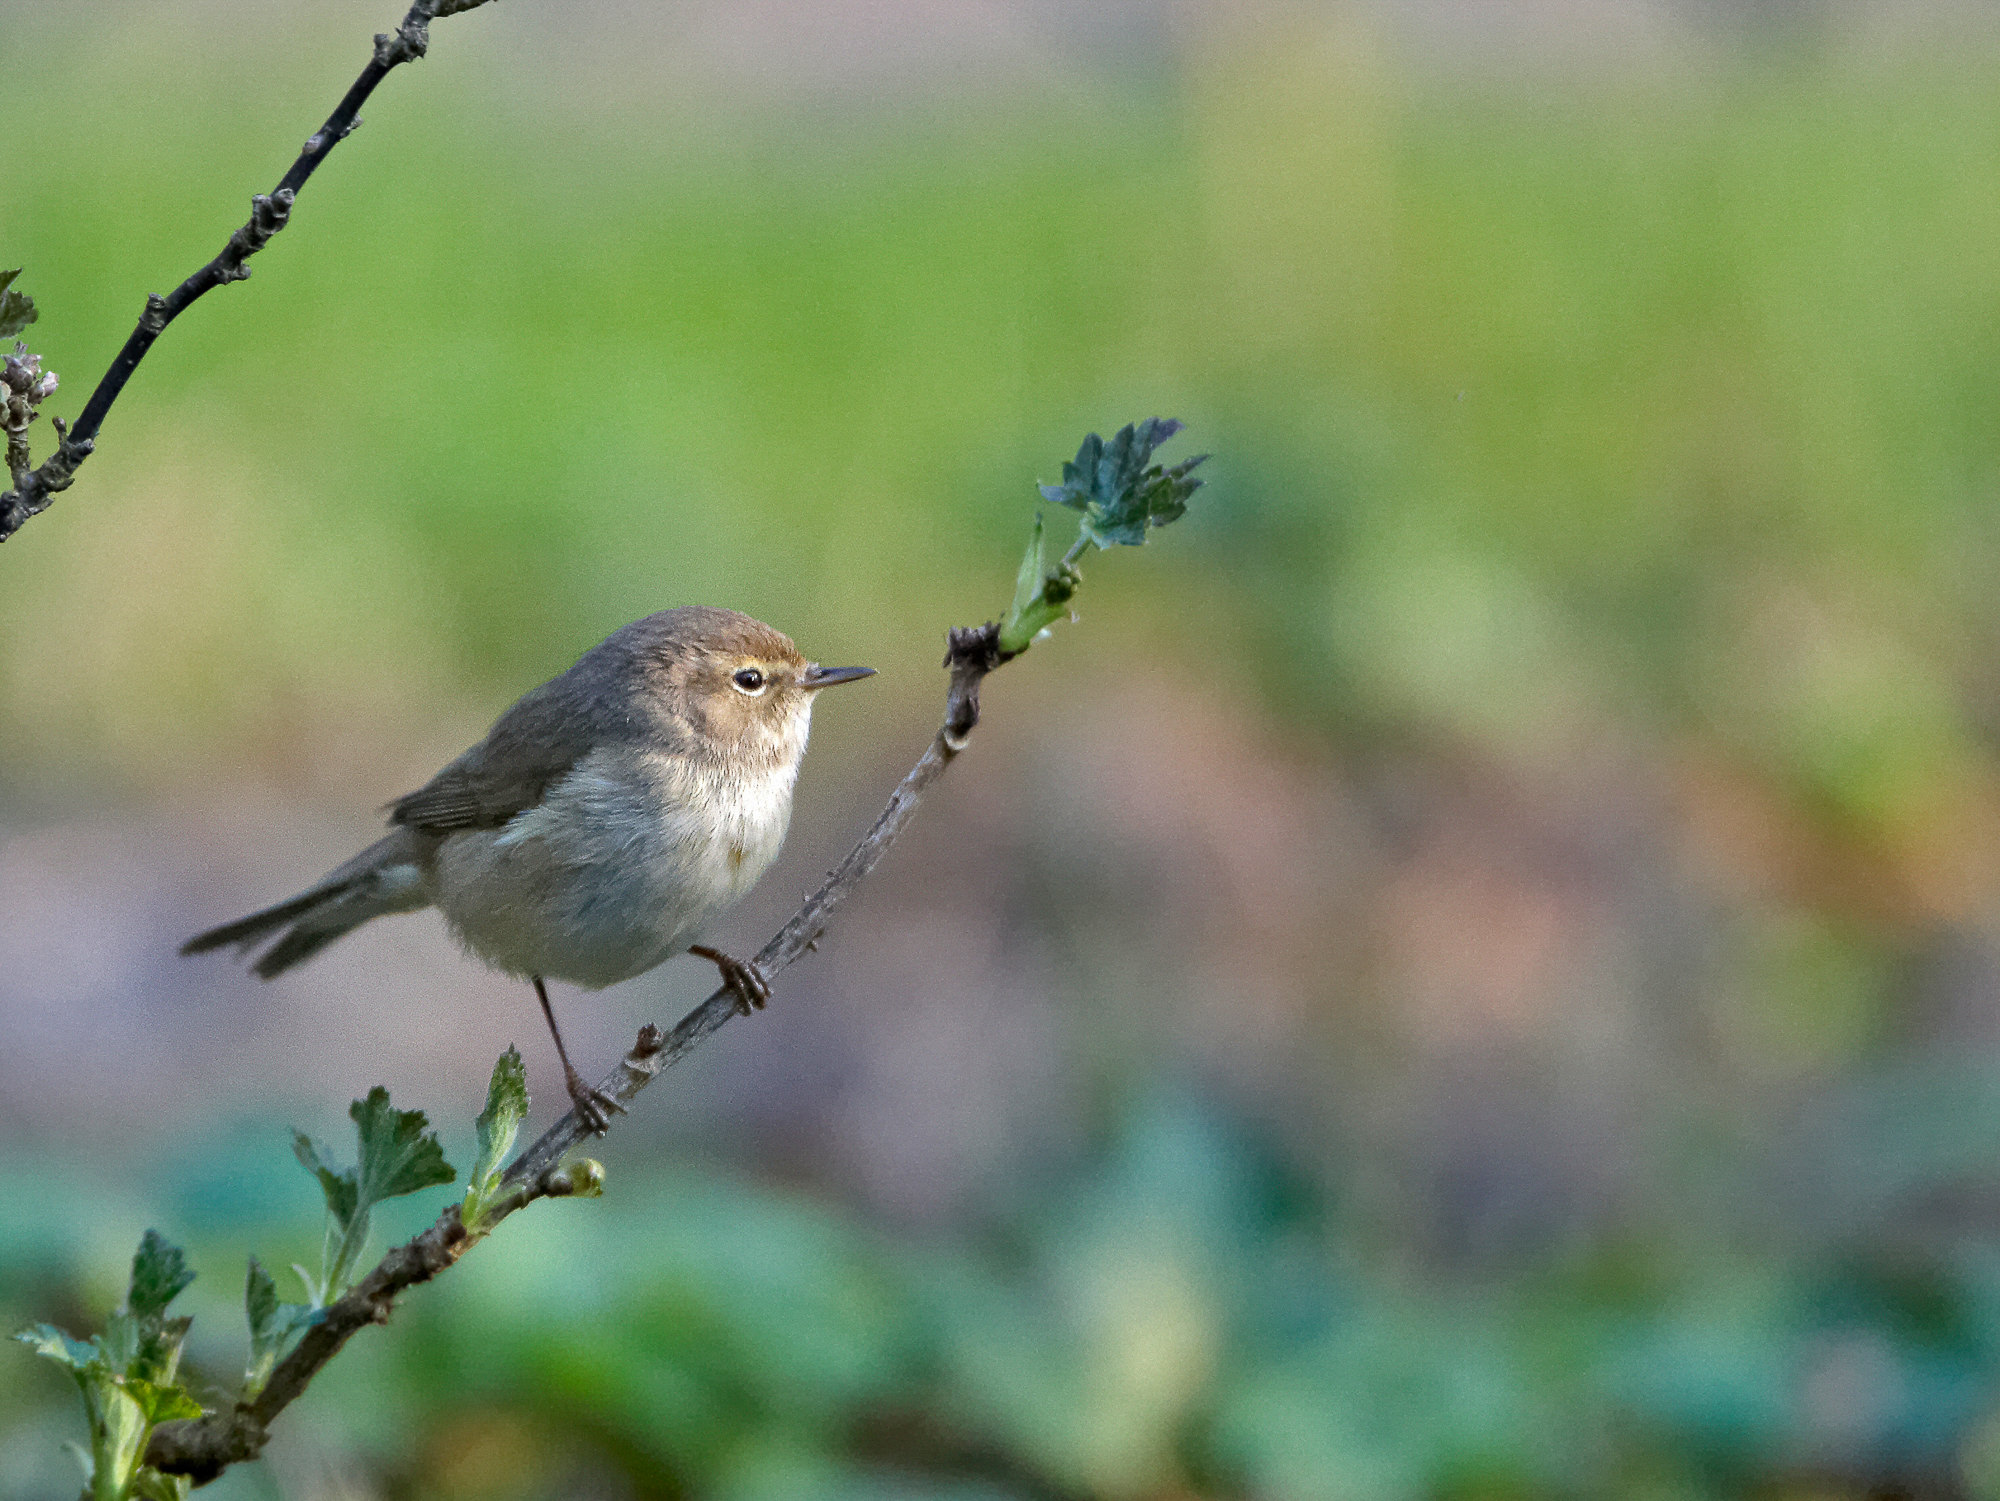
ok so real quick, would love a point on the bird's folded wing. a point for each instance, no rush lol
(474, 797)
(532, 747)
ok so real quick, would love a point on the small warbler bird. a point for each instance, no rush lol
(601, 824)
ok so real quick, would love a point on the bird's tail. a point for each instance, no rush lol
(383, 878)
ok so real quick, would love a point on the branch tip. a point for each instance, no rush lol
(35, 488)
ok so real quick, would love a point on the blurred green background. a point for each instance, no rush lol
(1473, 971)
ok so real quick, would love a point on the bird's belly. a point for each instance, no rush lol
(600, 882)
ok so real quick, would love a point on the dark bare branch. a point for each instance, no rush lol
(35, 489)
(202, 1448)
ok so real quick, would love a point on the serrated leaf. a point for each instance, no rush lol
(76, 1355)
(1120, 491)
(342, 1190)
(398, 1154)
(499, 1123)
(506, 1108)
(161, 1402)
(160, 1274)
(159, 1354)
(17, 309)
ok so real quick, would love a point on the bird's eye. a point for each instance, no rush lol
(749, 680)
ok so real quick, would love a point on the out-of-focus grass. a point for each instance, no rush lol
(1664, 400)
(1644, 419)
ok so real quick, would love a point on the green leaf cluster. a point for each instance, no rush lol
(397, 1155)
(130, 1375)
(17, 309)
(1122, 494)
(1119, 490)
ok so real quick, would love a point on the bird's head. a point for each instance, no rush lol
(738, 686)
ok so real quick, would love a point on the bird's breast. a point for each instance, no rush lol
(619, 867)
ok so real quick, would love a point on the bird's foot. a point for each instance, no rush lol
(753, 991)
(593, 1106)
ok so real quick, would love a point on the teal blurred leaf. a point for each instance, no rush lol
(160, 1274)
(272, 1325)
(17, 309)
(499, 1123)
(260, 1301)
(340, 1185)
(78, 1356)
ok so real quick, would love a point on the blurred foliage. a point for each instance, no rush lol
(1653, 411)
(1180, 1318)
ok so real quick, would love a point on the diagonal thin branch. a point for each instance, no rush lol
(35, 489)
(202, 1448)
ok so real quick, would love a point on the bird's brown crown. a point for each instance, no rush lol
(706, 629)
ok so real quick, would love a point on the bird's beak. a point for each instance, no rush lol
(817, 676)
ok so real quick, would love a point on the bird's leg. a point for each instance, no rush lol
(593, 1106)
(740, 975)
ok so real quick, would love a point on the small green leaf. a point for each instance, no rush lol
(17, 309)
(260, 1303)
(398, 1155)
(1041, 595)
(1028, 581)
(158, 1357)
(499, 1123)
(150, 1485)
(272, 1325)
(161, 1403)
(160, 1274)
(123, 1337)
(117, 1438)
(343, 1192)
(76, 1355)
